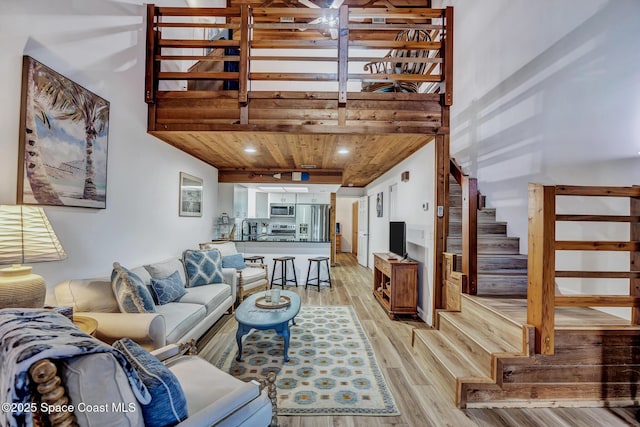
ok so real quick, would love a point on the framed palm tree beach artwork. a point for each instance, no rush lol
(63, 141)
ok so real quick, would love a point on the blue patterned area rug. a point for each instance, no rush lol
(332, 369)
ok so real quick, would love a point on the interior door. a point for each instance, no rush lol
(354, 228)
(363, 231)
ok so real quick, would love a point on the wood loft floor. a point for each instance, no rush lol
(420, 398)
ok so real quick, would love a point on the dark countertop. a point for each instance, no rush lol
(276, 240)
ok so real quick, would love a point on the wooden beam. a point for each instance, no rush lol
(572, 190)
(541, 266)
(150, 70)
(316, 176)
(448, 58)
(597, 301)
(243, 67)
(470, 233)
(441, 191)
(583, 245)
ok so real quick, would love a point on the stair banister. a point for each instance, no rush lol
(469, 264)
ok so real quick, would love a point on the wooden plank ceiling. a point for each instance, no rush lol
(323, 156)
(367, 156)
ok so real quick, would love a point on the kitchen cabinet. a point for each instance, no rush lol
(314, 198)
(287, 198)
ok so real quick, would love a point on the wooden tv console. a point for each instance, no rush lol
(395, 284)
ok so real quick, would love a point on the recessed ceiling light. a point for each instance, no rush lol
(250, 150)
(343, 151)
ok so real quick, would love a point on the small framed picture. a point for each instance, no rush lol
(379, 210)
(190, 202)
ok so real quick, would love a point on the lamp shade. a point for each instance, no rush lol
(27, 236)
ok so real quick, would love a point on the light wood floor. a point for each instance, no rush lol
(420, 401)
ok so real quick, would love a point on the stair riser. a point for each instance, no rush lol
(455, 228)
(516, 373)
(502, 263)
(484, 215)
(466, 344)
(551, 395)
(509, 245)
(502, 285)
(444, 379)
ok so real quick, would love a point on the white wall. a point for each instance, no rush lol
(100, 44)
(546, 92)
(410, 197)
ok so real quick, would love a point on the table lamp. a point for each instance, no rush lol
(25, 236)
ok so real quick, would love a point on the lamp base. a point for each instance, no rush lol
(19, 288)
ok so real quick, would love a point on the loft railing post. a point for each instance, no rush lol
(343, 53)
(470, 234)
(541, 266)
(243, 84)
(447, 72)
(151, 80)
(634, 256)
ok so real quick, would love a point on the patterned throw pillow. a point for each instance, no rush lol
(234, 261)
(168, 289)
(168, 404)
(202, 267)
(130, 291)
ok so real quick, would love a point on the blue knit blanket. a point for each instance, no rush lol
(29, 335)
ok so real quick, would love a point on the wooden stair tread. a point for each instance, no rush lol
(482, 333)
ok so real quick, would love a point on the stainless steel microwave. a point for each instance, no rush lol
(282, 211)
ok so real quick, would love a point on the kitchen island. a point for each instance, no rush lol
(302, 250)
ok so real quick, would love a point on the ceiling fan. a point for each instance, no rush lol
(335, 5)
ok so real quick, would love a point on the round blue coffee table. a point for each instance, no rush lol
(249, 316)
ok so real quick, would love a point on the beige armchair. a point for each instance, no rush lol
(253, 278)
(400, 61)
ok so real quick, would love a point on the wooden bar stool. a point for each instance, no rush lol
(284, 276)
(317, 261)
(254, 259)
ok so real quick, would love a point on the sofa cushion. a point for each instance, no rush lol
(168, 404)
(180, 318)
(253, 274)
(87, 295)
(168, 289)
(162, 269)
(233, 261)
(225, 248)
(130, 292)
(204, 384)
(210, 296)
(80, 376)
(202, 267)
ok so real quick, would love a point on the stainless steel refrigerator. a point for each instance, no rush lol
(312, 222)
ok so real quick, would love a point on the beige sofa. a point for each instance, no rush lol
(187, 318)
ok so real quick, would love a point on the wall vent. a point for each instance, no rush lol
(378, 20)
(287, 19)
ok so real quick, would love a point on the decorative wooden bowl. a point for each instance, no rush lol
(262, 302)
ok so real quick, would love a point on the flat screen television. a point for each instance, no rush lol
(398, 238)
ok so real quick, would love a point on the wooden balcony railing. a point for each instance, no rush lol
(297, 66)
(543, 248)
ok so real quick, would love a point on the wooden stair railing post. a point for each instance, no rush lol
(634, 256)
(541, 266)
(448, 57)
(151, 79)
(243, 66)
(470, 234)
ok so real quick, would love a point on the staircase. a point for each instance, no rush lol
(502, 270)
(485, 354)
